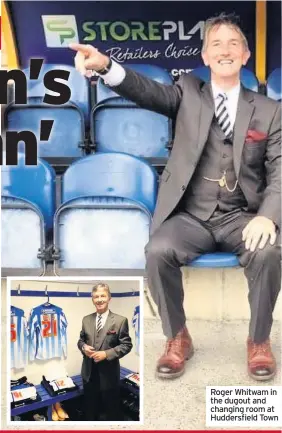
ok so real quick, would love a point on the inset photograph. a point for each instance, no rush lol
(75, 350)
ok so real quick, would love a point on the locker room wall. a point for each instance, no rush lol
(75, 308)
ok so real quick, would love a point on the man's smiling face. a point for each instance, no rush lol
(225, 51)
(101, 300)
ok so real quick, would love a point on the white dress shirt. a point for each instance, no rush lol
(232, 100)
(115, 75)
(104, 318)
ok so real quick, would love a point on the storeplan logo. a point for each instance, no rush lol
(121, 31)
(60, 30)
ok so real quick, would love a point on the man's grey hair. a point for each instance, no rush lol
(231, 20)
(101, 286)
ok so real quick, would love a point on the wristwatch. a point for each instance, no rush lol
(106, 69)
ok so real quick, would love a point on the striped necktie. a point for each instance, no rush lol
(99, 323)
(222, 116)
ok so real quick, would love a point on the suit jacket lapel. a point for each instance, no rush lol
(93, 330)
(106, 327)
(244, 113)
(206, 115)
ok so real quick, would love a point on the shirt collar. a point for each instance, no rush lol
(104, 315)
(234, 92)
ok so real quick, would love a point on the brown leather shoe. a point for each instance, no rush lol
(261, 361)
(178, 350)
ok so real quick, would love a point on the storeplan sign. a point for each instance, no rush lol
(168, 34)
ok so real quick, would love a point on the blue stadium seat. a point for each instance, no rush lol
(78, 84)
(215, 260)
(273, 85)
(67, 138)
(138, 132)
(103, 223)
(67, 133)
(247, 77)
(28, 207)
(103, 93)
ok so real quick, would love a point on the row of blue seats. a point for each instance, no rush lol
(115, 124)
(103, 222)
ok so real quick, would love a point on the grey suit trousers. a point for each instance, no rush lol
(182, 238)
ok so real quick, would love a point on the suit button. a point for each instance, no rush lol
(183, 187)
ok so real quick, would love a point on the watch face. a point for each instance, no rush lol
(106, 69)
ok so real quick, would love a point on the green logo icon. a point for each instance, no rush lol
(59, 30)
(65, 32)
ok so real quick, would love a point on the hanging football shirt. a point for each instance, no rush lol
(19, 338)
(48, 332)
(136, 326)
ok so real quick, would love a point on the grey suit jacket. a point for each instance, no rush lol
(257, 164)
(115, 341)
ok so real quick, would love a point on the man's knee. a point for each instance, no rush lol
(158, 249)
(269, 255)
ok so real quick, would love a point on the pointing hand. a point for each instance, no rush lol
(88, 58)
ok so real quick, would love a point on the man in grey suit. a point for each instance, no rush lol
(104, 339)
(220, 189)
